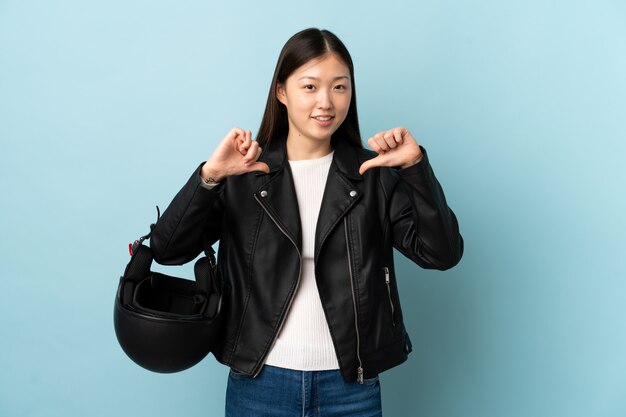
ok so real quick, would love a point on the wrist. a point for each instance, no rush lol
(210, 176)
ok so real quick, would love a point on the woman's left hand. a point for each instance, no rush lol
(395, 147)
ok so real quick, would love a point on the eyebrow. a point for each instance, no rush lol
(317, 79)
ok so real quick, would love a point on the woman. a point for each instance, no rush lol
(307, 221)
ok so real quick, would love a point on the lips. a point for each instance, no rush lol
(323, 118)
(323, 121)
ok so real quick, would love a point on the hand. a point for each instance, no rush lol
(395, 147)
(236, 154)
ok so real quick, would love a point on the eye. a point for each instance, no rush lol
(340, 87)
(309, 87)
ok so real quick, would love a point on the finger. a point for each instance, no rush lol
(236, 136)
(408, 136)
(245, 142)
(259, 166)
(398, 134)
(365, 166)
(251, 153)
(389, 139)
(383, 141)
(381, 144)
(374, 145)
(234, 132)
(257, 153)
(371, 163)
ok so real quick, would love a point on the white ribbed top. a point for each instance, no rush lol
(304, 342)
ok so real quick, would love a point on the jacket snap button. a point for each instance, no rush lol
(353, 193)
(263, 193)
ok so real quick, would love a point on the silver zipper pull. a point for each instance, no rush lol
(393, 321)
(359, 375)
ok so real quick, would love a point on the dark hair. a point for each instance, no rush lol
(301, 48)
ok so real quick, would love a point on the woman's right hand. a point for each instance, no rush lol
(236, 154)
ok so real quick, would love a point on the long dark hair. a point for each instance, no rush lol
(301, 48)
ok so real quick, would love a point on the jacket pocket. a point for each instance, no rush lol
(391, 306)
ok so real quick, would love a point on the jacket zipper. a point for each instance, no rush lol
(297, 282)
(393, 321)
(359, 372)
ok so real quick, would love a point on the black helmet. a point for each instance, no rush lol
(163, 323)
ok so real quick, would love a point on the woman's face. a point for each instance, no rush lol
(317, 96)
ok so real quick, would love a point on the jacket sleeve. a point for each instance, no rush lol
(424, 228)
(191, 221)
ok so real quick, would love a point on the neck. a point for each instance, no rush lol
(300, 147)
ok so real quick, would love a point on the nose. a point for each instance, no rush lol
(324, 100)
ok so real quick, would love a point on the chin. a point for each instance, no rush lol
(325, 133)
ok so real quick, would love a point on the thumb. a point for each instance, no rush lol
(259, 166)
(370, 163)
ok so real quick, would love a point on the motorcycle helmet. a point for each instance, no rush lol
(163, 323)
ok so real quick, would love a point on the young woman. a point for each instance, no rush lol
(307, 220)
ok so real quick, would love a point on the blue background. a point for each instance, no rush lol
(106, 107)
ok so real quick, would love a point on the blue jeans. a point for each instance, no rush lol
(280, 392)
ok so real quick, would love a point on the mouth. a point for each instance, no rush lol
(323, 118)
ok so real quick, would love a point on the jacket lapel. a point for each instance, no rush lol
(277, 193)
(278, 198)
(341, 191)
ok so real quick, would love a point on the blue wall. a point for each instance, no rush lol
(107, 106)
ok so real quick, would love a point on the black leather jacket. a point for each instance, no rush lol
(362, 218)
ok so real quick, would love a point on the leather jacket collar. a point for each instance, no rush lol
(346, 157)
(277, 194)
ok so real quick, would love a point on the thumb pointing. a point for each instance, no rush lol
(370, 163)
(259, 166)
(378, 161)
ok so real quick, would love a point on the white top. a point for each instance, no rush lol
(304, 342)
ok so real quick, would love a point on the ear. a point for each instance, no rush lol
(281, 95)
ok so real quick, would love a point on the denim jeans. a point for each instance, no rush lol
(280, 392)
